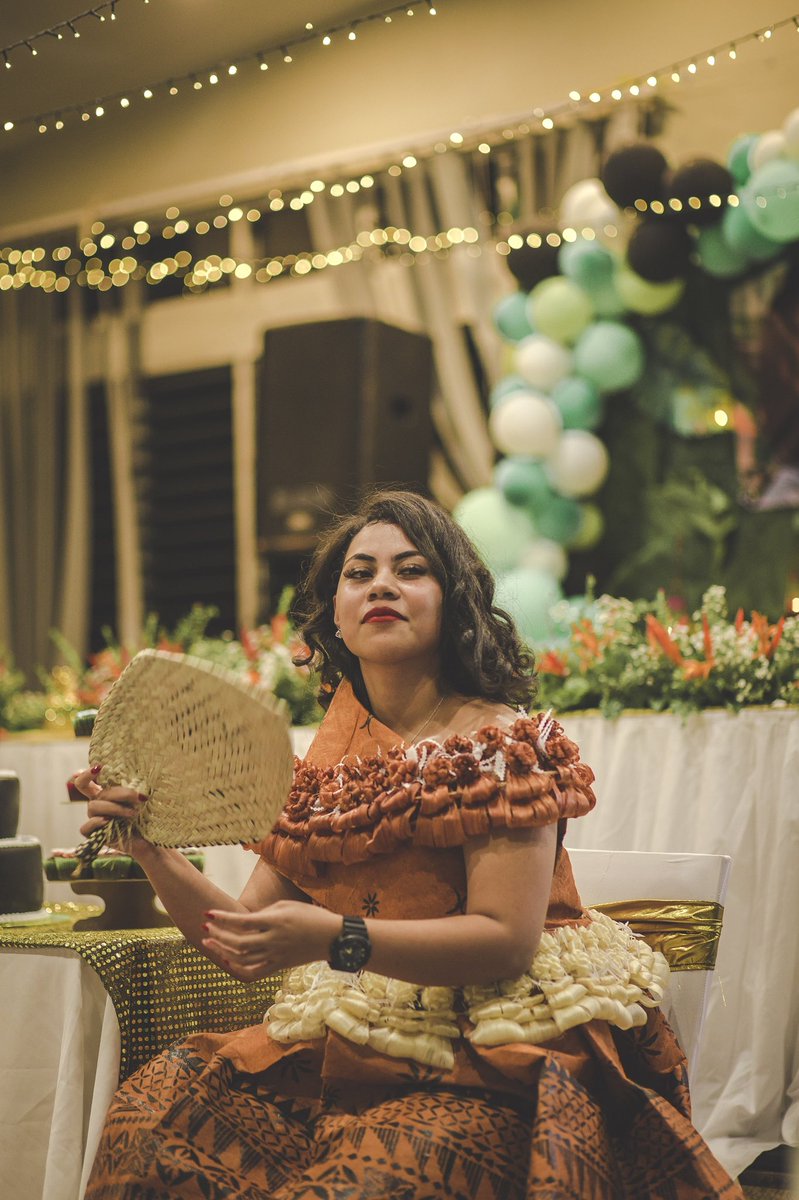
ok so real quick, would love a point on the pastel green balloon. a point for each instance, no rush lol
(499, 530)
(511, 317)
(717, 256)
(771, 200)
(738, 157)
(742, 237)
(559, 520)
(588, 264)
(528, 594)
(610, 355)
(641, 296)
(523, 481)
(506, 387)
(592, 526)
(559, 308)
(579, 403)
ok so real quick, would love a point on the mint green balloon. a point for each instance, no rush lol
(529, 594)
(579, 403)
(738, 157)
(523, 481)
(499, 530)
(610, 355)
(742, 237)
(589, 264)
(559, 308)
(511, 317)
(559, 520)
(641, 296)
(717, 256)
(506, 387)
(771, 200)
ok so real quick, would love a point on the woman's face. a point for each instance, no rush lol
(388, 603)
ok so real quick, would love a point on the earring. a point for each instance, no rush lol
(339, 634)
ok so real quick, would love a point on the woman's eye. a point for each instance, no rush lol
(356, 573)
(413, 569)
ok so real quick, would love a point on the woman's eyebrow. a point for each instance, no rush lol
(397, 557)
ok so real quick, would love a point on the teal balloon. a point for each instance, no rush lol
(742, 237)
(590, 264)
(578, 402)
(738, 157)
(529, 594)
(559, 308)
(523, 481)
(499, 530)
(771, 200)
(560, 520)
(506, 387)
(593, 267)
(511, 317)
(717, 256)
(610, 355)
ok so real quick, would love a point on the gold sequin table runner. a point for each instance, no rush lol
(161, 987)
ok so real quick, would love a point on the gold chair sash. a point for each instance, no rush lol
(685, 932)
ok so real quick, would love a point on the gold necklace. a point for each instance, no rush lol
(426, 721)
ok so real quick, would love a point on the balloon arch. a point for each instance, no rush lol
(627, 241)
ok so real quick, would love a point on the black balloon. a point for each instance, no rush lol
(634, 173)
(530, 264)
(659, 249)
(701, 178)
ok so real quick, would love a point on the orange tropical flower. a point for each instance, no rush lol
(551, 663)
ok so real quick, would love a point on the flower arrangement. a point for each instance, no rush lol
(263, 655)
(624, 654)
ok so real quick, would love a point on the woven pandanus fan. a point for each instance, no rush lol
(211, 752)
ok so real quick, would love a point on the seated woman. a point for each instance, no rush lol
(418, 860)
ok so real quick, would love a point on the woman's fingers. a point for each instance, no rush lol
(92, 824)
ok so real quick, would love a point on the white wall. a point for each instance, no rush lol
(400, 86)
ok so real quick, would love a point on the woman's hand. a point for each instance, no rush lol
(286, 934)
(105, 804)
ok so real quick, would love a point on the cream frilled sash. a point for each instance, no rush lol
(580, 973)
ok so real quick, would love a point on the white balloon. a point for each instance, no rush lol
(586, 205)
(542, 361)
(526, 423)
(790, 129)
(579, 464)
(544, 555)
(769, 145)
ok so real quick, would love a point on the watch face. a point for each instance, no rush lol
(351, 952)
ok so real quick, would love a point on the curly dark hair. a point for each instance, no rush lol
(482, 653)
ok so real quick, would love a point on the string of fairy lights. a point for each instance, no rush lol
(85, 267)
(20, 268)
(54, 120)
(67, 28)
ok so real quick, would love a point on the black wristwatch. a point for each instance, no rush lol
(350, 951)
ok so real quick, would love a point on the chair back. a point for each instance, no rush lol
(676, 902)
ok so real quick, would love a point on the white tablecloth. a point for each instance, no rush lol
(727, 784)
(718, 783)
(59, 1068)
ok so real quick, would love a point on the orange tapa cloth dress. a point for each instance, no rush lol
(566, 1084)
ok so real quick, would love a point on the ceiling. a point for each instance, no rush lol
(149, 41)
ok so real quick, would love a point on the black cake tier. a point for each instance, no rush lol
(21, 876)
(9, 804)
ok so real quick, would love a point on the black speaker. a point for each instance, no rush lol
(185, 478)
(342, 405)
